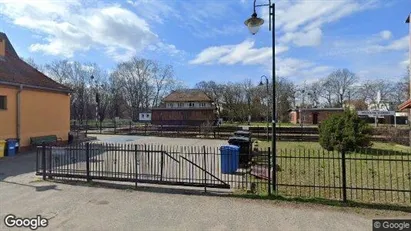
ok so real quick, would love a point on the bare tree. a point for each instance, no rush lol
(327, 92)
(164, 82)
(214, 91)
(314, 92)
(340, 82)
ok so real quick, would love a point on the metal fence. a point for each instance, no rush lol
(295, 133)
(368, 175)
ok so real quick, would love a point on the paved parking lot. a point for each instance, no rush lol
(160, 140)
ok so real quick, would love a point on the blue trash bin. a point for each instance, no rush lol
(229, 158)
(11, 147)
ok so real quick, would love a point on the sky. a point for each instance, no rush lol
(207, 39)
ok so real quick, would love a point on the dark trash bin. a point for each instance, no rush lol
(244, 144)
(12, 147)
(229, 158)
(243, 133)
(70, 138)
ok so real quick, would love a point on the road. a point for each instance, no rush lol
(82, 207)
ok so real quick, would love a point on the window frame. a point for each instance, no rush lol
(5, 102)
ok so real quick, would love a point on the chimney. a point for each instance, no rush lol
(2, 47)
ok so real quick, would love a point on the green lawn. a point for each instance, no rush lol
(317, 146)
(303, 165)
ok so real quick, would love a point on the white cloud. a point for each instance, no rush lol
(298, 18)
(70, 27)
(368, 46)
(155, 11)
(386, 34)
(202, 18)
(244, 53)
(301, 70)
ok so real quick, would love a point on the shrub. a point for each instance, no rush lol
(344, 132)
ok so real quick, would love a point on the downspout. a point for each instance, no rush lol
(18, 114)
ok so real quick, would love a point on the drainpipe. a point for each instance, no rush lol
(18, 114)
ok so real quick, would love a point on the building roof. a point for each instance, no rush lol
(187, 95)
(405, 105)
(14, 71)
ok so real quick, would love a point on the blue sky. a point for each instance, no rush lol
(207, 39)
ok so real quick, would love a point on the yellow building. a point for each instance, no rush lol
(31, 104)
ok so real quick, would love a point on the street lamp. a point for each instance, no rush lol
(268, 104)
(254, 23)
(408, 21)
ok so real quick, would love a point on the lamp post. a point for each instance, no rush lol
(408, 21)
(254, 23)
(268, 104)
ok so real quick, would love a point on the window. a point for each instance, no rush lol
(170, 105)
(142, 115)
(202, 104)
(3, 102)
(180, 104)
(191, 104)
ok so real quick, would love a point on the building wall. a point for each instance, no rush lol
(187, 104)
(42, 113)
(293, 117)
(182, 117)
(307, 117)
(8, 118)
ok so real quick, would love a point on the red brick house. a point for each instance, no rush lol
(185, 107)
(312, 115)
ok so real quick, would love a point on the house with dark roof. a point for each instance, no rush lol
(185, 107)
(31, 104)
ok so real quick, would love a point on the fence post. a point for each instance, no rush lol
(274, 176)
(50, 163)
(344, 176)
(88, 162)
(205, 169)
(269, 171)
(136, 163)
(162, 164)
(43, 161)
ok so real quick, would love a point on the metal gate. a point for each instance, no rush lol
(153, 164)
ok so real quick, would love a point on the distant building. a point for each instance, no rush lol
(31, 104)
(185, 107)
(312, 115)
(144, 116)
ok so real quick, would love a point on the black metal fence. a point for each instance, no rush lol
(368, 175)
(296, 133)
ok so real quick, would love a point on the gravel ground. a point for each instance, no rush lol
(80, 207)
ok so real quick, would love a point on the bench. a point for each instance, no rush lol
(40, 140)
